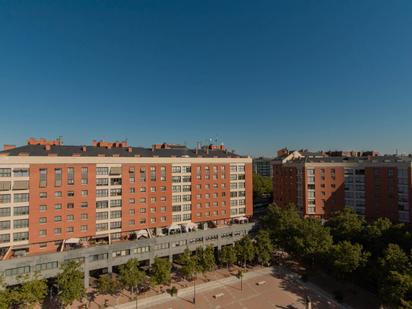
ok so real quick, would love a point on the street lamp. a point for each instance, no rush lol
(240, 276)
(194, 290)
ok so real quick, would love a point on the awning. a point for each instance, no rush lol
(5, 185)
(73, 241)
(100, 236)
(115, 170)
(21, 185)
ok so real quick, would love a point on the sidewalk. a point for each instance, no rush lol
(187, 293)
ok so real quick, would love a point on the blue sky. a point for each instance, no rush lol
(258, 75)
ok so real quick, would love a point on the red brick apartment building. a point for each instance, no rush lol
(51, 193)
(320, 183)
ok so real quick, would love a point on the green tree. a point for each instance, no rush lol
(130, 275)
(31, 291)
(206, 259)
(347, 257)
(345, 225)
(283, 225)
(227, 256)
(261, 185)
(4, 294)
(70, 283)
(264, 247)
(245, 251)
(313, 241)
(107, 284)
(161, 271)
(189, 264)
(396, 287)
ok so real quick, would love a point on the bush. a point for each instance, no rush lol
(173, 291)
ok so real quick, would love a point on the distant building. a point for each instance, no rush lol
(374, 186)
(262, 166)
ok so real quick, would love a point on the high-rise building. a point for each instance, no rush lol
(374, 186)
(54, 196)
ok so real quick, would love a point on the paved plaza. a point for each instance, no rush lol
(277, 291)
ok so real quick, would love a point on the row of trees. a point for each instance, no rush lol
(70, 282)
(377, 255)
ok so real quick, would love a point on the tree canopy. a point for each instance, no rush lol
(70, 283)
(261, 185)
(130, 275)
(161, 271)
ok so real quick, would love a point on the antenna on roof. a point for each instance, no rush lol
(60, 139)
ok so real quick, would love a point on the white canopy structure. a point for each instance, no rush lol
(241, 219)
(142, 233)
(73, 240)
(174, 227)
(190, 226)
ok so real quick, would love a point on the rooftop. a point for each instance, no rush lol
(42, 147)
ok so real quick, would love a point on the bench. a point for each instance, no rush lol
(260, 283)
(218, 295)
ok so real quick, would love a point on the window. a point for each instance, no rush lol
(57, 231)
(20, 236)
(57, 177)
(21, 210)
(102, 227)
(22, 223)
(83, 228)
(21, 197)
(5, 172)
(58, 194)
(58, 206)
(162, 173)
(142, 221)
(42, 220)
(43, 177)
(115, 225)
(84, 193)
(4, 225)
(115, 214)
(43, 208)
(152, 173)
(132, 190)
(102, 193)
(70, 206)
(43, 194)
(4, 238)
(153, 200)
(5, 198)
(142, 210)
(57, 218)
(102, 171)
(152, 189)
(84, 205)
(70, 193)
(102, 204)
(132, 201)
(142, 174)
(176, 169)
(115, 203)
(102, 215)
(70, 229)
(131, 211)
(132, 222)
(102, 181)
(70, 176)
(84, 216)
(85, 175)
(17, 271)
(143, 189)
(43, 232)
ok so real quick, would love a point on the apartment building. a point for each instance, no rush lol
(374, 186)
(53, 196)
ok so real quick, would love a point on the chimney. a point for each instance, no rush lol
(94, 143)
(84, 148)
(8, 147)
(129, 149)
(47, 147)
